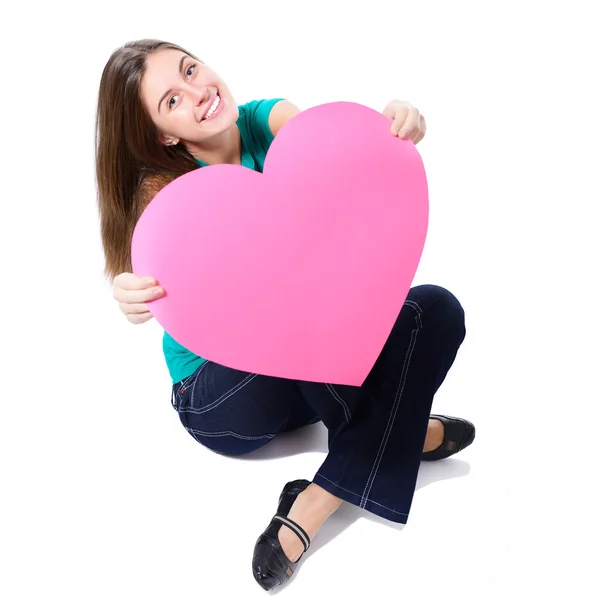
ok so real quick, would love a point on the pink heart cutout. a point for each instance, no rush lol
(299, 272)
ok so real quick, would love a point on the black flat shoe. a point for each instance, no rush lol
(458, 435)
(270, 566)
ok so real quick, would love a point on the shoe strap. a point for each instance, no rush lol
(296, 529)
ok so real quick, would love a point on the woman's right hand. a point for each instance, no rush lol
(132, 293)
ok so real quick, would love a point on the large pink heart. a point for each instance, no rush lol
(299, 272)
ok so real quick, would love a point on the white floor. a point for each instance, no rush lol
(102, 492)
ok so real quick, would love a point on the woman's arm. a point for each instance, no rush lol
(130, 291)
(280, 114)
(407, 121)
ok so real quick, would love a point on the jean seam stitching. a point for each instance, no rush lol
(396, 404)
(197, 376)
(359, 496)
(337, 397)
(226, 433)
(184, 383)
(234, 390)
(416, 306)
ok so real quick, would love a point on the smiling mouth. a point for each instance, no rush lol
(213, 107)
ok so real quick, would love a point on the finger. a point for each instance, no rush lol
(422, 130)
(415, 133)
(128, 296)
(389, 111)
(411, 123)
(399, 120)
(138, 319)
(132, 309)
(129, 281)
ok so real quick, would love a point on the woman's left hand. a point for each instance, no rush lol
(407, 122)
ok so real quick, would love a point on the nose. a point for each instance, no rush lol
(198, 95)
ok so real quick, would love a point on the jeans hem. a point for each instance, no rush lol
(371, 506)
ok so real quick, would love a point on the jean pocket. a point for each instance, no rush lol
(184, 392)
(178, 398)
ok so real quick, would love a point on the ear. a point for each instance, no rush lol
(168, 141)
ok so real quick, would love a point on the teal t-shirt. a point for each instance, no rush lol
(253, 123)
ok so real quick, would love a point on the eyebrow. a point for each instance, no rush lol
(181, 62)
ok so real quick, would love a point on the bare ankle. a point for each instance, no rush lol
(435, 435)
(321, 500)
(310, 510)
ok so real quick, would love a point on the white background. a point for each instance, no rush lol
(104, 495)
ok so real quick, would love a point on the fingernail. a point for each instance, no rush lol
(150, 281)
(403, 133)
(157, 292)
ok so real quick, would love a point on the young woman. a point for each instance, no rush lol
(161, 113)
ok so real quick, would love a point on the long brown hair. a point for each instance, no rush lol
(131, 163)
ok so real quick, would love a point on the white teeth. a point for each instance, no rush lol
(213, 107)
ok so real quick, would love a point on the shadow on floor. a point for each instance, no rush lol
(314, 439)
(347, 514)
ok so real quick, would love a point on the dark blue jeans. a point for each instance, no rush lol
(376, 431)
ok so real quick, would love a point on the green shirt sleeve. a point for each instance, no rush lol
(258, 113)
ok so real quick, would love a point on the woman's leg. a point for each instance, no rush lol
(233, 412)
(377, 432)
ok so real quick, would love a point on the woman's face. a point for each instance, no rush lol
(186, 100)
